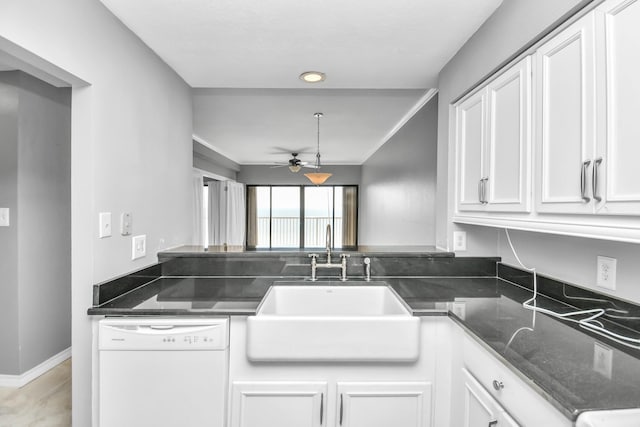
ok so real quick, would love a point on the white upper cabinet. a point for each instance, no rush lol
(493, 144)
(565, 129)
(575, 155)
(471, 136)
(508, 184)
(616, 171)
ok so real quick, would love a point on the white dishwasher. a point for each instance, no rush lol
(163, 372)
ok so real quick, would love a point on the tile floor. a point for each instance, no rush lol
(44, 402)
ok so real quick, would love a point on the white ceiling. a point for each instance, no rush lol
(258, 44)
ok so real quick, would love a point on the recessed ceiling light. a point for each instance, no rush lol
(312, 76)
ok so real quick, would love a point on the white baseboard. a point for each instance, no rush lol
(17, 381)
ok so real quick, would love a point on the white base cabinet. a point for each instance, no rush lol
(278, 403)
(486, 393)
(480, 408)
(383, 404)
(343, 404)
(337, 394)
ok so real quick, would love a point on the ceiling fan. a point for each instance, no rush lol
(295, 164)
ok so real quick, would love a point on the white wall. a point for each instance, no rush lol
(397, 193)
(131, 147)
(565, 258)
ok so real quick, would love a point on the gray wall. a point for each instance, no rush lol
(131, 147)
(211, 161)
(9, 95)
(567, 258)
(265, 174)
(398, 186)
(41, 221)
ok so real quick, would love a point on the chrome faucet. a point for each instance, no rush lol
(315, 265)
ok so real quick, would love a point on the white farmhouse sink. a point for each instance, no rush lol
(332, 323)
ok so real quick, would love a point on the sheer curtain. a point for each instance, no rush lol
(350, 215)
(226, 213)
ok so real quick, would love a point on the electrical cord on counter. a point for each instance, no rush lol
(590, 322)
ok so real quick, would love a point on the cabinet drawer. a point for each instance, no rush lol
(526, 406)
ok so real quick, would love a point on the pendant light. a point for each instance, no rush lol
(318, 178)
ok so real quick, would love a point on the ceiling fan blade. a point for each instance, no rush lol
(312, 166)
(279, 166)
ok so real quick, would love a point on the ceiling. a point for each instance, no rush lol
(380, 58)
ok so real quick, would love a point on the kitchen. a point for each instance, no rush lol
(103, 129)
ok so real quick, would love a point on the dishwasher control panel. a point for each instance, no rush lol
(163, 334)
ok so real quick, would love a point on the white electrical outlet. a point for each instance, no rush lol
(4, 217)
(105, 225)
(138, 246)
(459, 240)
(602, 360)
(606, 273)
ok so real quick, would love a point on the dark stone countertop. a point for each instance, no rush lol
(555, 357)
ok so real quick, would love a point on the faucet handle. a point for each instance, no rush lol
(314, 256)
(345, 256)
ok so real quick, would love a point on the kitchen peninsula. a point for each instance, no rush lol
(474, 305)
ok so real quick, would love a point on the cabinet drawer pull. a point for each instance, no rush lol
(493, 423)
(583, 181)
(594, 179)
(341, 409)
(480, 191)
(497, 385)
(321, 407)
(484, 190)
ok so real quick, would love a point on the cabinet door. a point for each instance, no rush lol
(508, 184)
(471, 137)
(565, 119)
(384, 404)
(480, 408)
(616, 178)
(278, 403)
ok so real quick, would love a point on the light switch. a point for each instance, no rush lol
(4, 217)
(138, 246)
(125, 224)
(105, 225)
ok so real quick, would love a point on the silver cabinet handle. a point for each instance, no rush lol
(493, 423)
(594, 179)
(583, 181)
(498, 385)
(484, 190)
(321, 407)
(341, 408)
(480, 191)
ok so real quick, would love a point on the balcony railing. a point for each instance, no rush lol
(285, 232)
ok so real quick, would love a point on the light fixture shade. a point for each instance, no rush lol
(317, 178)
(295, 168)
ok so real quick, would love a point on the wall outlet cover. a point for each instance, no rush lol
(459, 240)
(125, 224)
(606, 273)
(4, 217)
(105, 225)
(138, 246)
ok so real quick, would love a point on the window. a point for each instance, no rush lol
(297, 216)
